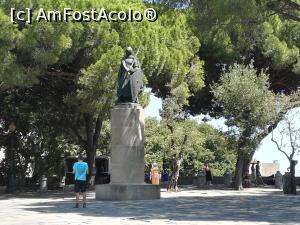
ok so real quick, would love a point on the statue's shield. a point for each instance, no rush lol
(137, 84)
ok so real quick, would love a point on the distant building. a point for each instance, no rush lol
(267, 169)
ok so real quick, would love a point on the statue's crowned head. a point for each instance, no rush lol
(128, 51)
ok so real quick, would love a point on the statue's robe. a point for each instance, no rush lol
(130, 80)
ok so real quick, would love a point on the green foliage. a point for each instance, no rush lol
(205, 145)
(39, 141)
(279, 43)
(219, 153)
(156, 143)
(11, 71)
(249, 107)
(104, 147)
(167, 46)
(246, 99)
(236, 28)
(237, 31)
(87, 57)
(98, 83)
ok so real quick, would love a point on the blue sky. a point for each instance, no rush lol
(267, 151)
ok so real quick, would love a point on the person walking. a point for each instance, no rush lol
(258, 174)
(208, 175)
(80, 170)
(154, 174)
(253, 173)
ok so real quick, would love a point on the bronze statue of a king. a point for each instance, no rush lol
(130, 78)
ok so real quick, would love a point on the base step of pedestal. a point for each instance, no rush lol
(123, 192)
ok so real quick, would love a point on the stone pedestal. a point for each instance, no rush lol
(201, 179)
(278, 180)
(43, 184)
(127, 157)
(287, 186)
(123, 192)
(227, 179)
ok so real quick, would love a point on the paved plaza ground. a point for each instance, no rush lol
(189, 206)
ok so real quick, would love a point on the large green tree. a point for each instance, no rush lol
(203, 144)
(237, 30)
(41, 121)
(250, 109)
(241, 31)
(89, 54)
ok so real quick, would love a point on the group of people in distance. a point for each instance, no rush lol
(255, 176)
(155, 174)
(207, 172)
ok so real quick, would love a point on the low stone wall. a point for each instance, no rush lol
(191, 180)
(2, 189)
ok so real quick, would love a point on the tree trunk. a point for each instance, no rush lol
(172, 185)
(238, 185)
(247, 161)
(10, 155)
(293, 182)
(92, 137)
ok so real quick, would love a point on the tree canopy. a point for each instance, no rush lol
(250, 107)
(80, 61)
(241, 31)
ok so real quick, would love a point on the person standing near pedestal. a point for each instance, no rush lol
(154, 174)
(80, 169)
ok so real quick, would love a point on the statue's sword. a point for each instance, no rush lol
(128, 73)
(137, 52)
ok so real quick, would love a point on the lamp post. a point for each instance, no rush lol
(11, 183)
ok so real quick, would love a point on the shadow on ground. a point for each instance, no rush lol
(265, 207)
(35, 194)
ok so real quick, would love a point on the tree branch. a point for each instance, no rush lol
(62, 75)
(279, 147)
(291, 140)
(293, 103)
(292, 4)
(281, 9)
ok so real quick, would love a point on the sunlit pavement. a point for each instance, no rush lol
(188, 206)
